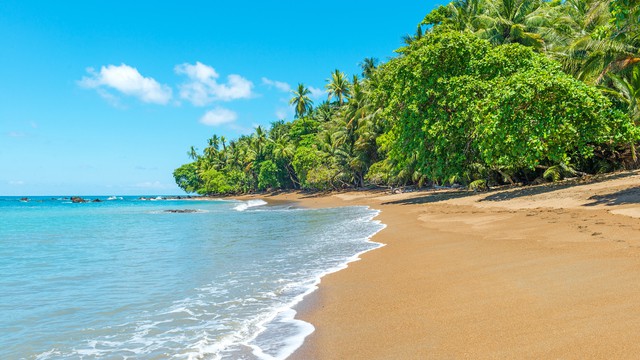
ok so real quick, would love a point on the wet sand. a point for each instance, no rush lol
(545, 272)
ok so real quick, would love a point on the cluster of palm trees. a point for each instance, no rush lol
(325, 147)
(334, 144)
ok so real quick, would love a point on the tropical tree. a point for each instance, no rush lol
(368, 66)
(466, 105)
(301, 101)
(338, 86)
(629, 90)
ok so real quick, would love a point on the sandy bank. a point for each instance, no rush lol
(536, 272)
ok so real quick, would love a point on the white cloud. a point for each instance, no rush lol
(203, 87)
(16, 182)
(282, 86)
(317, 93)
(218, 116)
(128, 81)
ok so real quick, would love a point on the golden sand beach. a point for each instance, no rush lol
(542, 272)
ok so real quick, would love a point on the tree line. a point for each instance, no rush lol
(484, 92)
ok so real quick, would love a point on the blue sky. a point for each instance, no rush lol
(105, 98)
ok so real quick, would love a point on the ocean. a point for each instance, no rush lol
(126, 279)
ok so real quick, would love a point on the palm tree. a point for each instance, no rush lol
(596, 45)
(338, 86)
(368, 66)
(464, 15)
(193, 153)
(259, 139)
(324, 112)
(516, 21)
(301, 101)
(408, 39)
(629, 90)
(284, 150)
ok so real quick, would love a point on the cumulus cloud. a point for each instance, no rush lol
(202, 88)
(317, 93)
(282, 86)
(218, 116)
(128, 81)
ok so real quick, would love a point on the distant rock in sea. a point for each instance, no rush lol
(24, 199)
(78, 199)
(181, 211)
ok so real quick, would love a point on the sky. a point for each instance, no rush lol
(107, 97)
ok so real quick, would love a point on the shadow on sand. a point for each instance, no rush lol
(432, 197)
(501, 194)
(622, 197)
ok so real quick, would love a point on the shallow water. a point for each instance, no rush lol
(124, 279)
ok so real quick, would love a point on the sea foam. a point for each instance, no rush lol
(249, 204)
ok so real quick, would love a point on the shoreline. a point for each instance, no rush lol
(550, 271)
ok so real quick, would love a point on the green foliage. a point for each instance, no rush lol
(381, 173)
(305, 159)
(216, 182)
(505, 107)
(268, 176)
(558, 172)
(484, 92)
(479, 185)
(187, 178)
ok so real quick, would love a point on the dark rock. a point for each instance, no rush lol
(77, 199)
(97, 200)
(25, 199)
(181, 211)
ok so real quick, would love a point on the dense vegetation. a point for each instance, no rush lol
(485, 92)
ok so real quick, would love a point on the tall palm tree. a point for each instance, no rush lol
(338, 86)
(301, 101)
(284, 150)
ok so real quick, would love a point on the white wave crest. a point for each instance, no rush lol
(249, 204)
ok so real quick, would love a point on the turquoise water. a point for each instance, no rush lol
(123, 279)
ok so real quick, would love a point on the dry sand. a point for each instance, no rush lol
(546, 272)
